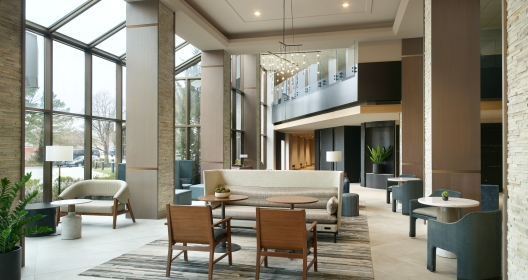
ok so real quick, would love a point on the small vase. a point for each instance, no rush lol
(445, 198)
(377, 168)
(222, 195)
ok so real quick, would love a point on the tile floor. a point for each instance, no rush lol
(394, 254)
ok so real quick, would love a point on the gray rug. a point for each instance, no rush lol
(349, 258)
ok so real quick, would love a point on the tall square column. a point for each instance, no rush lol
(150, 107)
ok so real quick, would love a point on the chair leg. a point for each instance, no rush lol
(266, 259)
(314, 245)
(211, 260)
(388, 196)
(129, 206)
(257, 267)
(229, 257)
(169, 260)
(393, 204)
(305, 265)
(431, 258)
(115, 212)
(185, 253)
(412, 226)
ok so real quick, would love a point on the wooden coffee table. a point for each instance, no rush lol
(212, 198)
(292, 200)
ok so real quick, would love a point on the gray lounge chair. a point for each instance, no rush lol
(390, 184)
(476, 240)
(409, 190)
(425, 212)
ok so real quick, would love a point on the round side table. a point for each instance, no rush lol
(71, 223)
(43, 208)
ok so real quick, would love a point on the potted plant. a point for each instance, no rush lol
(222, 192)
(12, 226)
(377, 156)
(445, 195)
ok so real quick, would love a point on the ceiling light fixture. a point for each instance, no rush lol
(257, 13)
(345, 5)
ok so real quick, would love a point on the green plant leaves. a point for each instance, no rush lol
(379, 154)
(13, 220)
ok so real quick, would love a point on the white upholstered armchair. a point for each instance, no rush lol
(115, 188)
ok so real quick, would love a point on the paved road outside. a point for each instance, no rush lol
(74, 172)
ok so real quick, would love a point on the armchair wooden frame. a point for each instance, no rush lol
(285, 230)
(194, 224)
(114, 214)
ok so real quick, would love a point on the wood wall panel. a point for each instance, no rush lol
(412, 46)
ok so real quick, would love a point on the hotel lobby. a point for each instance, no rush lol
(280, 139)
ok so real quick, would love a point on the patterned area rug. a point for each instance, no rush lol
(349, 258)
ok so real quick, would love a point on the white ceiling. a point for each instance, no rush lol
(319, 24)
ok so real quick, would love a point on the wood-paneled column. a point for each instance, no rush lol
(412, 124)
(150, 107)
(452, 96)
(215, 108)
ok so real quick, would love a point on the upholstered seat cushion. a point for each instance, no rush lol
(219, 234)
(427, 211)
(96, 207)
(249, 213)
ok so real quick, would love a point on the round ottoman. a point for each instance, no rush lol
(350, 205)
(46, 209)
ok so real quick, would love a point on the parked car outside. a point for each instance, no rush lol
(78, 161)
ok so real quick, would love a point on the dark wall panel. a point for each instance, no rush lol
(326, 144)
(339, 145)
(379, 81)
(491, 154)
(383, 134)
(317, 147)
(279, 136)
(352, 155)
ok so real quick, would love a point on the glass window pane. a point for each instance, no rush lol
(68, 131)
(238, 111)
(47, 12)
(104, 88)
(34, 70)
(103, 140)
(96, 21)
(185, 53)
(181, 102)
(123, 143)
(116, 44)
(194, 70)
(180, 140)
(196, 92)
(34, 153)
(178, 40)
(194, 153)
(68, 79)
(123, 95)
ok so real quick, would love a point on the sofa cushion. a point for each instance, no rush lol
(427, 211)
(238, 212)
(96, 207)
(331, 205)
(258, 195)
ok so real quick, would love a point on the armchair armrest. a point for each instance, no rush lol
(227, 219)
(414, 204)
(312, 226)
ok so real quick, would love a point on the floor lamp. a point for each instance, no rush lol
(333, 157)
(59, 153)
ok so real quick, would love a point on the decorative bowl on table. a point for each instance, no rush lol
(222, 192)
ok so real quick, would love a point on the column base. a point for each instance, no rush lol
(71, 226)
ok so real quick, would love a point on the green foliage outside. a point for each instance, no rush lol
(13, 220)
(36, 185)
(379, 154)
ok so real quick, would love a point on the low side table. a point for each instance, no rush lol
(447, 211)
(221, 248)
(71, 223)
(43, 208)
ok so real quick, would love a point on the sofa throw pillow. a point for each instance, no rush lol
(331, 205)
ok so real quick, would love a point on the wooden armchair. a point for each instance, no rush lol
(194, 224)
(285, 230)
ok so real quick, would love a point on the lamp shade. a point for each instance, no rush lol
(59, 153)
(334, 156)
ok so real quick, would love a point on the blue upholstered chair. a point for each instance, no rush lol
(489, 197)
(476, 240)
(183, 173)
(425, 212)
(409, 190)
(391, 184)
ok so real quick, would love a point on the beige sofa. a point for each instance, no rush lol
(260, 184)
(114, 188)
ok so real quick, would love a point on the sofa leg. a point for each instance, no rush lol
(335, 237)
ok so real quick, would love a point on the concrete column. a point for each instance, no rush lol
(215, 108)
(150, 107)
(250, 85)
(452, 96)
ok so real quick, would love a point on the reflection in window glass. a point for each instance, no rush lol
(123, 143)
(181, 103)
(238, 111)
(196, 92)
(185, 53)
(103, 140)
(194, 70)
(34, 70)
(194, 153)
(96, 21)
(103, 88)
(48, 12)
(123, 94)
(68, 131)
(34, 153)
(181, 139)
(68, 79)
(116, 44)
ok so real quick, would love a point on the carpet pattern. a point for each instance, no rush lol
(349, 258)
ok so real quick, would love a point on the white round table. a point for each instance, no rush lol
(401, 180)
(447, 211)
(71, 223)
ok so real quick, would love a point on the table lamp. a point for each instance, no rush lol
(333, 157)
(59, 153)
